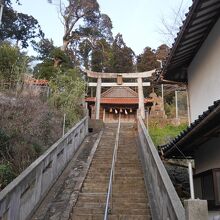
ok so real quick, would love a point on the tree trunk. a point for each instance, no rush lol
(57, 62)
(65, 45)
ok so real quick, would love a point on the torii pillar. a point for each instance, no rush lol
(98, 98)
(141, 97)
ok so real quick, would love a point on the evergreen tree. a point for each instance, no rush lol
(19, 27)
(162, 52)
(101, 55)
(147, 60)
(12, 62)
(122, 56)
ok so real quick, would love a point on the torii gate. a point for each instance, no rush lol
(119, 76)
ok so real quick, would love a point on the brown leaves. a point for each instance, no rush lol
(31, 125)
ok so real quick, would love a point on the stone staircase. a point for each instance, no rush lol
(129, 200)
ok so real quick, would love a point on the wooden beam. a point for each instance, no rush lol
(94, 84)
(92, 74)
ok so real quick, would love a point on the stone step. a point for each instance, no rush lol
(98, 178)
(130, 211)
(92, 198)
(118, 180)
(115, 206)
(114, 210)
(121, 200)
(134, 175)
(113, 217)
(128, 182)
(92, 184)
(129, 195)
(101, 165)
(130, 205)
(127, 160)
(96, 175)
(129, 199)
(103, 159)
(97, 172)
(91, 205)
(103, 153)
(105, 148)
(88, 211)
(127, 169)
(92, 177)
(127, 147)
(128, 163)
(96, 189)
(101, 198)
(127, 189)
(131, 185)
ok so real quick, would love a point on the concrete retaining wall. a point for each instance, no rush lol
(164, 201)
(22, 196)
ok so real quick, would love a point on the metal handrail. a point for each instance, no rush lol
(114, 158)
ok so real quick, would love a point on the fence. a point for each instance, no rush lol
(22, 196)
(37, 87)
(164, 201)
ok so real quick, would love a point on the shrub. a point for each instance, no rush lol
(162, 135)
(28, 127)
(67, 95)
(12, 62)
(6, 175)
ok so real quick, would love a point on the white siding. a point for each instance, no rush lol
(204, 74)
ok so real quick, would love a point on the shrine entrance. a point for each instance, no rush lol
(121, 98)
(112, 114)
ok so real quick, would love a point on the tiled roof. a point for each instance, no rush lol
(201, 130)
(117, 100)
(201, 18)
(41, 82)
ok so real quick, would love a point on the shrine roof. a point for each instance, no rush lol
(119, 92)
(199, 21)
(199, 132)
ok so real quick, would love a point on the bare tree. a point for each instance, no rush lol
(170, 24)
(76, 15)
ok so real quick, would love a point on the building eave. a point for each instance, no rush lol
(200, 131)
(202, 16)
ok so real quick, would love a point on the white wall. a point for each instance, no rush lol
(204, 74)
(208, 156)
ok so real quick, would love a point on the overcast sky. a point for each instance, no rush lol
(138, 21)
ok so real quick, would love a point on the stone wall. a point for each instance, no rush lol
(164, 201)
